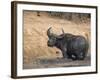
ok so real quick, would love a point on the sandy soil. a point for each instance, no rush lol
(59, 62)
(35, 36)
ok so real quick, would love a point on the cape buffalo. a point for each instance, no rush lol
(74, 47)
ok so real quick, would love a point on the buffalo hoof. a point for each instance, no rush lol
(81, 58)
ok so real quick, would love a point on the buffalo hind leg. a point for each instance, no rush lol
(81, 56)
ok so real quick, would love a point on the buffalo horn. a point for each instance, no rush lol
(63, 31)
(48, 31)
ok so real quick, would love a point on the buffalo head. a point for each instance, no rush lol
(53, 37)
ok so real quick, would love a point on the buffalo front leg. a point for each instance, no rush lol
(64, 52)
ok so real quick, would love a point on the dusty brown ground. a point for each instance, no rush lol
(35, 40)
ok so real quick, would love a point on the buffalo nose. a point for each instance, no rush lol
(48, 43)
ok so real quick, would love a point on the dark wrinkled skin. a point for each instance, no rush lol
(72, 47)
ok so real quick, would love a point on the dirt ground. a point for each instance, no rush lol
(35, 40)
